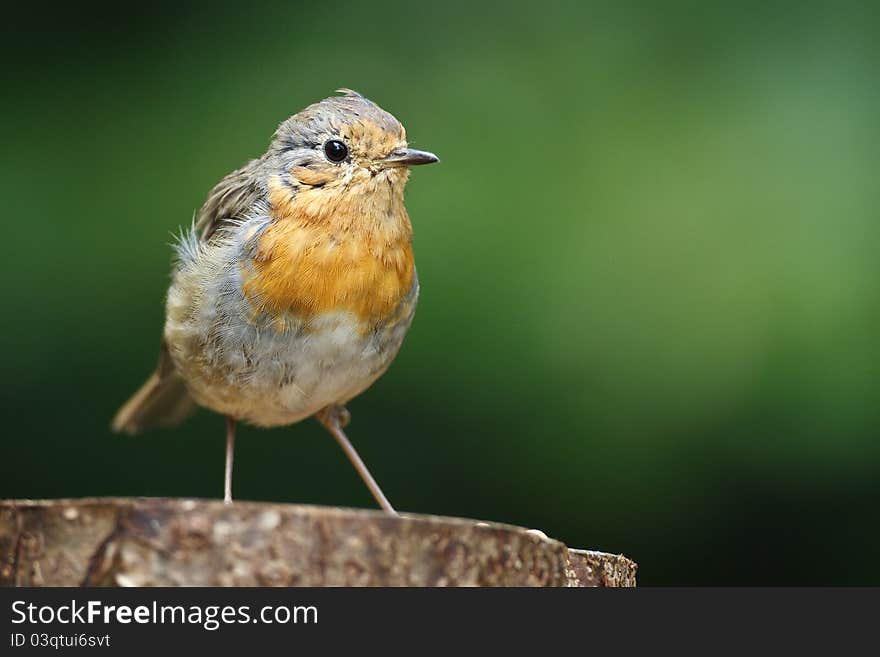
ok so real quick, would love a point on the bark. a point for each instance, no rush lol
(173, 542)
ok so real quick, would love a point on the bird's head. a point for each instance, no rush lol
(344, 154)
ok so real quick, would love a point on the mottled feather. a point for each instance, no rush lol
(230, 199)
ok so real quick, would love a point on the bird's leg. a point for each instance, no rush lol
(230, 449)
(334, 418)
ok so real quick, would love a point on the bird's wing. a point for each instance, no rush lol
(231, 198)
(163, 400)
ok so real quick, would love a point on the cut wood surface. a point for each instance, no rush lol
(183, 542)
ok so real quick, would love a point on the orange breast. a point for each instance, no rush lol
(342, 263)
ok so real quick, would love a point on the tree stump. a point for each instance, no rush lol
(183, 542)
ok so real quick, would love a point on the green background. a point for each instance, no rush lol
(649, 264)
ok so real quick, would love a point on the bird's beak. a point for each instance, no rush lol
(406, 157)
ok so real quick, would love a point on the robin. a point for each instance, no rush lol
(294, 288)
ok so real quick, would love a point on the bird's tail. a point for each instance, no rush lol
(163, 401)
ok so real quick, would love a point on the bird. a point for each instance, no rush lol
(295, 284)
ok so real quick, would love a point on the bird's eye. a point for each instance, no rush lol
(335, 150)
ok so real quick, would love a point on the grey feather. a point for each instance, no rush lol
(230, 199)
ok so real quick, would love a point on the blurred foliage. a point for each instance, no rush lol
(649, 261)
